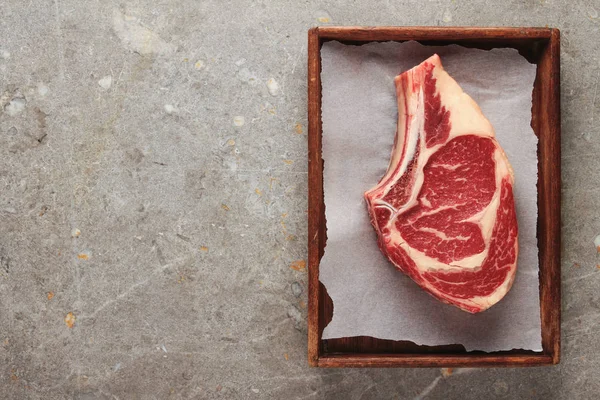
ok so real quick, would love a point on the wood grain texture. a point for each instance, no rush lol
(450, 34)
(316, 205)
(420, 360)
(540, 46)
(549, 195)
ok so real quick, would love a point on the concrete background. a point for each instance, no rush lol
(147, 232)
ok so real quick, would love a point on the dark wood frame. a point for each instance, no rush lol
(540, 46)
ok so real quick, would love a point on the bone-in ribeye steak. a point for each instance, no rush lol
(444, 211)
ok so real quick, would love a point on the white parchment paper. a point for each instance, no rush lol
(370, 297)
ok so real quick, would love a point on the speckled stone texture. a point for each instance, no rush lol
(153, 183)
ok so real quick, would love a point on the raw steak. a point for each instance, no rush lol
(444, 211)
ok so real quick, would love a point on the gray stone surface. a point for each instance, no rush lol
(134, 197)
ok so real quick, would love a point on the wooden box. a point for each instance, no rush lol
(540, 46)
